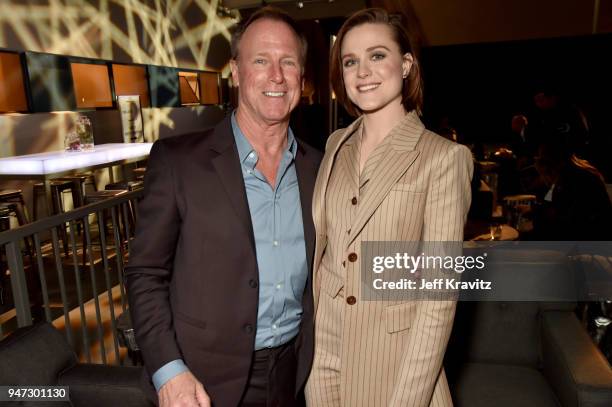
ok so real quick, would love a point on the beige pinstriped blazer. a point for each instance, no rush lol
(392, 352)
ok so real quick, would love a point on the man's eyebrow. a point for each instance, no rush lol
(368, 50)
(268, 54)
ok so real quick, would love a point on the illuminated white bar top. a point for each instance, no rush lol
(53, 162)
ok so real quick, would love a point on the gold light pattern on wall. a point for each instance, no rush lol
(148, 31)
(175, 33)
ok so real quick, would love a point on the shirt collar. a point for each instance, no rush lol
(247, 154)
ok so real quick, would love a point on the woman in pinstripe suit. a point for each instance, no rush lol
(383, 178)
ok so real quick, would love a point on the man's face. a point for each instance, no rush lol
(268, 72)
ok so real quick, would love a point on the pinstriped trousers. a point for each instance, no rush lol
(323, 386)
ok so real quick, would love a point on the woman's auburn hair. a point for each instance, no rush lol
(412, 89)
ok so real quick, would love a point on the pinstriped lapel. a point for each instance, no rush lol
(348, 157)
(318, 206)
(329, 159)
(393, 164)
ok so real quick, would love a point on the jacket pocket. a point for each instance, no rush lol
(407, 188)
(399, 317)
(190, 320)
(330, 284)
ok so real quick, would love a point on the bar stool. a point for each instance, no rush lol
(98, 196)
(8, 209)
(12, 204)
(11, 200)
(5, 218)
(57, 189)
(80, 182)
(16, 196)
(125, 185)
(5, 224)
(139, 173)
(128, 186)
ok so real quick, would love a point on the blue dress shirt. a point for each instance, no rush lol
(276, 215)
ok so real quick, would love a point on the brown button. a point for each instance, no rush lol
(352, 257)
(351, 300)
(354, 200)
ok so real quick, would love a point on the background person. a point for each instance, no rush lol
(575, 203)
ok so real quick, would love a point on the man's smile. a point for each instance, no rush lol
(274, 94)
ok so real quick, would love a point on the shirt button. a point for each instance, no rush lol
(275, 243)
(249, 172)
(274, 326)
(248, 328)
(251, 155)
(279, 286)
(354, 200)
(351, 300)
(253, 283)
(352, 257)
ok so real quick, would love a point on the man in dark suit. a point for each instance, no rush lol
(219, 278)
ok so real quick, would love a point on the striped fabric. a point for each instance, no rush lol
(414, 186)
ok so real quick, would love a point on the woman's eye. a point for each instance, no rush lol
(348, 63)
(378, 56)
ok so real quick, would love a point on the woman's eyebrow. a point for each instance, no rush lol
(367, 50)
(377, 46)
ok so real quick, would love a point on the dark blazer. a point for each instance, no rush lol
(192, 277)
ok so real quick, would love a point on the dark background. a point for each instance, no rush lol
(479, 87)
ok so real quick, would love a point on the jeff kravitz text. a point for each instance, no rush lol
(419, 268)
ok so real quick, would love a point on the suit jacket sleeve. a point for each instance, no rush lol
(447, 204)
(149, 269)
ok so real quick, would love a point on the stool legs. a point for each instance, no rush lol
(14, 203)
(53, 200)
(57, 208)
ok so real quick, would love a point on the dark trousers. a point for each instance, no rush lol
(272, 378)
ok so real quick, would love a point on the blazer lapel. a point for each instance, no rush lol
(318, 203)
(227, 165)
(396, 160)
(318, 210)
(306, 170)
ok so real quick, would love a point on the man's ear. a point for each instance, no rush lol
(234, 69)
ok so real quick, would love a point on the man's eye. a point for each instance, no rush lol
(348, 63)
(290, 63)
(378, 56)
(260, 61)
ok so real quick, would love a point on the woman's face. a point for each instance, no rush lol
(373, 67)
